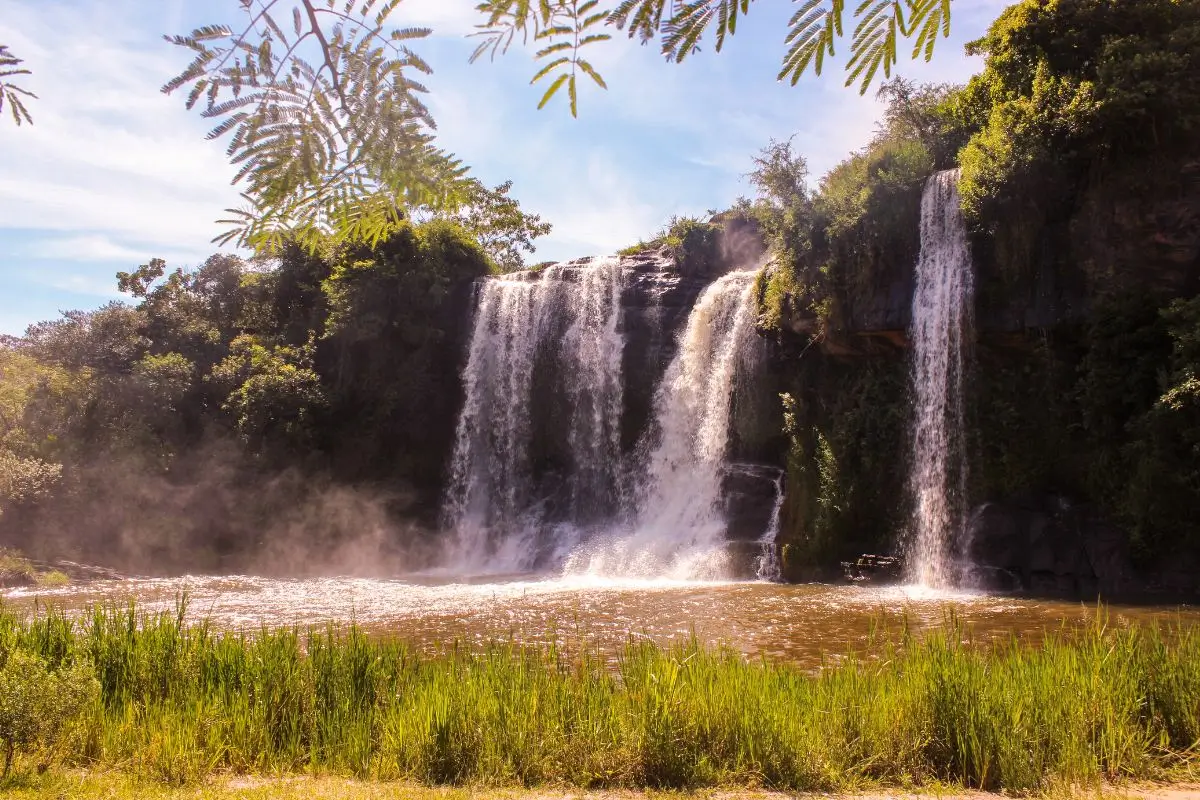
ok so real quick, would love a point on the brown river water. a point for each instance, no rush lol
(798, 624)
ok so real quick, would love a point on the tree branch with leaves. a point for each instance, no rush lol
(324, 119)
(563, 28)
(11, 94)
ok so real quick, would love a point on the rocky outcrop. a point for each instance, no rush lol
(751, 491)
(1049, 546)
(655, 304)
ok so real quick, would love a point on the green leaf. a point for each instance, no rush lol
(592, 73)
(554, 87)
(549, 68)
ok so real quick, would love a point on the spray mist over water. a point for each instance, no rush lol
(942, 331)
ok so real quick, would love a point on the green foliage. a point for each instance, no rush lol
(37, 704)
(271, 391)
(836, 246)
(179, 702)
(370, 290)
(939, 116)
(690, 241)
(25, 479)
(848, 433)
(564, 27)
(497, 222)
(339, 145)
(784, 204)
(1076, 91)
(168, 377)
(1165, 482)
(10, 68)
(869, 206)
(775, 289)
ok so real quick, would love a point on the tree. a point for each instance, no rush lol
(498, 223)
(272, 390)
(10, 67)
(565, 27)
(780, 175)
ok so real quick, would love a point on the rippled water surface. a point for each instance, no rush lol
(792, 623)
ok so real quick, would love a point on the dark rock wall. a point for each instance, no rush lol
(1070, 350)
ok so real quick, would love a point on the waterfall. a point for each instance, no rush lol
(678, 526)
(767, 566)
(942, 332)
(568, 315)
(593, 347)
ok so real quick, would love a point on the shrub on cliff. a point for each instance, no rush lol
(1164, 485)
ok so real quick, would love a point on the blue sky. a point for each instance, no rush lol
(113, 173)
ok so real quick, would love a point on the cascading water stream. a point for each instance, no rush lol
(767, 566)
(942, 332)
(569, 313)
(538, 476)
(678, 526)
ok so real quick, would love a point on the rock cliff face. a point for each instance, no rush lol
(655, 303)
(1062, 363)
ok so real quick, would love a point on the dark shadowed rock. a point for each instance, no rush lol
(1050, 546)
(751, 492)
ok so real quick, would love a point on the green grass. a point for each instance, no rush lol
(178, 703)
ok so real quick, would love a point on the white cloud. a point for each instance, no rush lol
(90, 248)
(107, 151)
(89, 285)
(446, 17)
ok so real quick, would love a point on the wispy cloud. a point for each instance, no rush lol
(93, 248)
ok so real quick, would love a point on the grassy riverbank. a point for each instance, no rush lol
(171, 703)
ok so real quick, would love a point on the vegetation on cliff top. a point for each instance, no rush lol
(175, 703)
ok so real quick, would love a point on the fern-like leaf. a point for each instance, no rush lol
(10, 93)
(340, 147)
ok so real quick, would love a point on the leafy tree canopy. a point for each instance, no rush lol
(1073, 87)
(498, 224)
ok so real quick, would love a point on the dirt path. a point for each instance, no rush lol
(116, 786)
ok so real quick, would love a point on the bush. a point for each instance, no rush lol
(37, 705)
